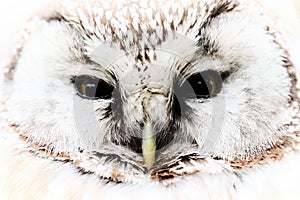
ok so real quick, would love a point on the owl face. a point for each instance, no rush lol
(152, 86)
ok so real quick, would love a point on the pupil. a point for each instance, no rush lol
(104, 90)
(93, 88)
(200, 85)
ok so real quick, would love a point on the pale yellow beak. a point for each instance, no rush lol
(149, 145)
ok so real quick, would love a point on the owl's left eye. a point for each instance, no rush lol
(201, 85)
(93, 88)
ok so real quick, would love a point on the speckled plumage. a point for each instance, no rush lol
(213, 148)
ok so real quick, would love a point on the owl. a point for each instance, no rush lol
(139, 99)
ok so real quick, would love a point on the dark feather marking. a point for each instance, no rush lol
(226, 74)
(224, 7)
(207, 46)
(167, 172)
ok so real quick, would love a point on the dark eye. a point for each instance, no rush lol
(201, 85)
(93, 88)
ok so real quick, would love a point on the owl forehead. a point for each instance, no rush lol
(139, 24)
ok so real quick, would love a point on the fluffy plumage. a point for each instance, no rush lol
(147, 51)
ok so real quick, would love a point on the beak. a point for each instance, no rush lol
(149, 145)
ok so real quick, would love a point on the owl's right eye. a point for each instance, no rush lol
(93, 88)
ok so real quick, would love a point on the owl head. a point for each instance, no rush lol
(152, 80)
